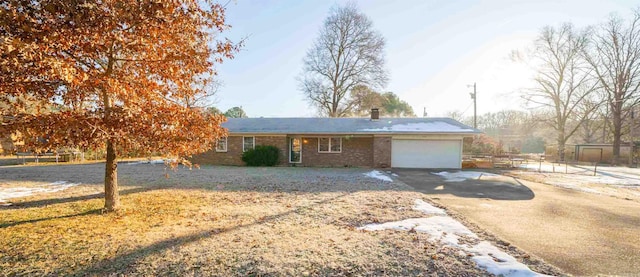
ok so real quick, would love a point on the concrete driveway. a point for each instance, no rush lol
(581, 233)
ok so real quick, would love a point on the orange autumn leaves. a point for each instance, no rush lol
(76, 74)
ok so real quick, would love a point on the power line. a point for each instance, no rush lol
(465, 110)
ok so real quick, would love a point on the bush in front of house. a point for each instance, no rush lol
(261, 155)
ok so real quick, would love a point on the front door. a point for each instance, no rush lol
(295, 150)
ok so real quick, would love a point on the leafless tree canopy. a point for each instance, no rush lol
(615, 58)
(564, 81)
(347, 53)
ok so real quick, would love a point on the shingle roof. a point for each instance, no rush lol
(347, 126)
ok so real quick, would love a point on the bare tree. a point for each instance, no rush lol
(456, 115)
(615, 58)
(207, 88)
(348, 53)
(563, 80)
(591, 129)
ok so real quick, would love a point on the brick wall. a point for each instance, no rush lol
(280, 142)
(382, 152)
(356, 151)
(233, 156)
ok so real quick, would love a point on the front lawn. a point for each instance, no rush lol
(216, 221)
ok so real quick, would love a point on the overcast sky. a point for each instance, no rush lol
(434, 50)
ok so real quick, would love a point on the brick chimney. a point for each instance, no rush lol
(375, 114)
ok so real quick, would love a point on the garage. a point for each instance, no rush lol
(414, 153)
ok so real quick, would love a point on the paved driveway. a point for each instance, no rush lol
(581, 233)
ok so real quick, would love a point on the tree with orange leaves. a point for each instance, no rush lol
(114, 73)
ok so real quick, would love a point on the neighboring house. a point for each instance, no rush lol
(362, 142)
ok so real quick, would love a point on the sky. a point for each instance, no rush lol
(434, 50)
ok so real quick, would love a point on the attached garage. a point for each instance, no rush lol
(421, 153)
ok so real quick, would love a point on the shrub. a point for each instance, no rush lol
(261, 155)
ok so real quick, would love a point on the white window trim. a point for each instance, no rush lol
(254, 144)
(329, 151)
(225, 144)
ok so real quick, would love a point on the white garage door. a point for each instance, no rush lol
(426, 153)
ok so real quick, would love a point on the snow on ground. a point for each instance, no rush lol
(378, 175)
(575, 180)
(427, 208)
(460, 176)
(620, 182)
(555, 168)
(17, 192)
(577, 175)
(506, 265)
(448, 231)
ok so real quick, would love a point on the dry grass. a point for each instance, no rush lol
(217, 221)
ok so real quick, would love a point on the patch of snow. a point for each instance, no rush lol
(612, 171)
(616, 185)
(460, 176)
(378, 175)
(581, 178)
(606, 180)
(427, 208)
(427, 127)
(552, 168)
(616, 174)
(392, 174)
(440, 228)
(17, 192)
(506, 265)
(446, 230)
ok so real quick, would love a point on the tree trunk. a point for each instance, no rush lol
(617, 133)
(561, 145)
(111, 197)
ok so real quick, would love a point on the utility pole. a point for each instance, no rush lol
(473, 96)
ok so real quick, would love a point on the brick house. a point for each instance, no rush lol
(337, 142)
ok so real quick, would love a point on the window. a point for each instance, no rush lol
(221, 145)
(323, 144)
(329, 145)
(248, 143)
(335, 145)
